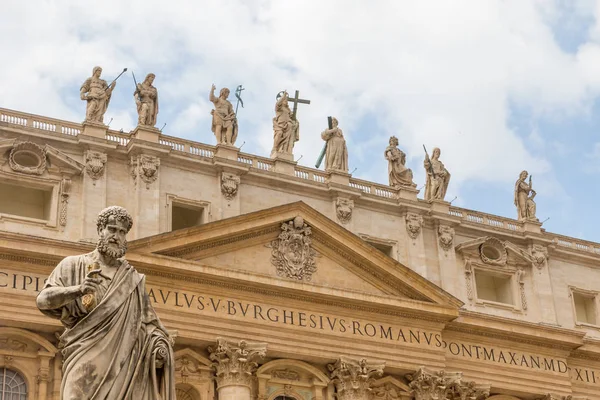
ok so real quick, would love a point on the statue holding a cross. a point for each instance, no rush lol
(285, 124)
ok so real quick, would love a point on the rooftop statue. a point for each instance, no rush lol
(97, 93)
(524, 195)
(224, 122)
(438, 176)
(285, 127)
(336, 156)
(398, 173)
(114, 346)
(146, 100)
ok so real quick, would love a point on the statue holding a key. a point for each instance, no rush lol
(114, 346)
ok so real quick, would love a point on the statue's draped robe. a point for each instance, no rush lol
(435, 187)
(525, 206)
(98, 98)
(148, 96)
(224, 115)
(285, 129)
(398, 173)
(336, 156)
(110, 353)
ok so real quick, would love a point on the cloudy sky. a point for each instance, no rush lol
(499, 86)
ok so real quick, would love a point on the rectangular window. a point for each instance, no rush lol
(25, 201)
(386, 249)
(493, 287)
(585, 308)
(186, 216)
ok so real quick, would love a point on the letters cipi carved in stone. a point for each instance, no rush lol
(353, 378)
(229, 185)
(446, 237)
(94, 164)
(413, 224)
(292, 253)
(343, 209)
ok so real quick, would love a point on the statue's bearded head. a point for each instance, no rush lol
(113, 225)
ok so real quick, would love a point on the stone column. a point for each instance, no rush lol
(235, 367)
(353, 378)
(439, 385)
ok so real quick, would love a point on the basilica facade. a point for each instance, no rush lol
(282, 282)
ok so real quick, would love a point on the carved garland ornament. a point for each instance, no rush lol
(94, 164)
(229, 185)
(28, 158)
(292, 252)
(493, 252)
(414, 222)
(65, 192)
(145, 168)
(343, 209)
(446, 237)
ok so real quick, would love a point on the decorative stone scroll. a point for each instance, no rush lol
(94, 164)
(229, 185)
(292, 253)
(353, 378)
(236, 364)
(343, 209)
(145, 167)
(446, 237)
(27, 158)
(414, 222)
(429, 385)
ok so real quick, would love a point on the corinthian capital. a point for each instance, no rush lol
(236, 364)
(430, 385)
(353, 378)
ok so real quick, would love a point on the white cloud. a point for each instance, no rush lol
(435, 73)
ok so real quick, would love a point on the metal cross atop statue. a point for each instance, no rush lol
(294, 100)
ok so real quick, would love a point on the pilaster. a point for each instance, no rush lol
(448, 266)
(416, 243)
(146, 194)
(93, 191)
(353, 378)
(235, 367)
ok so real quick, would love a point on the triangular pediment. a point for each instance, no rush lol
(342, 260)
(485, 247)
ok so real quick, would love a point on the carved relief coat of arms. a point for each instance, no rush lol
(292, 253)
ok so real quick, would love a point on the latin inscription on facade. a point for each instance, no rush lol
(18, 282)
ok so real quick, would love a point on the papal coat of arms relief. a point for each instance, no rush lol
(292, 252)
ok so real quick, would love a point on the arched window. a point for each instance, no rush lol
(284, 397)
(12, 385)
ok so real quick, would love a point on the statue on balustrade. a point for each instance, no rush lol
(438, 176)
(224, 122)
(336, 156)
(114, 346)
(285, 127)
(524, 195)
(97, 93)
(146, 100)
(398, 173)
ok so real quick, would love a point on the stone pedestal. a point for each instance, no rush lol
(235, 367)
(532, 226)
(406, 193)
(227, 152)
(146, 133)
(440, 206)
(353, 378)
(338, 177)
(284, 163)
(94, 129)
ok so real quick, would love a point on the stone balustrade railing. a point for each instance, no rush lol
(44, 124)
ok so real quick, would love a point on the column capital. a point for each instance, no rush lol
(235, 365)
(353, 378)
(433, 385)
